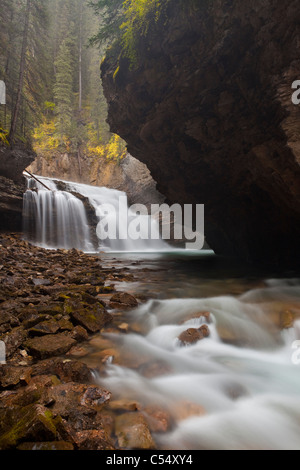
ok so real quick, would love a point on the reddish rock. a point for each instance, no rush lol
(158, 419)
(123, 301)
(287, 319)
(79, 334)
(190, 336)
(185, 409)
(124, 405)
(11, 376)
(93, 440)
(14, 340)
(50, 345)
(205, 331)
(155, 369)
(193, 335)
(65, 370)
(133, 432)
(72, 399)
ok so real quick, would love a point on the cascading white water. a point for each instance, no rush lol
(250, 393)
(58, 219)
(55, 219)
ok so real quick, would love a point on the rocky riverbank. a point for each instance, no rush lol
(52, 304)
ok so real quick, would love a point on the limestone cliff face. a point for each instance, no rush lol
(209, 111)
(12, 186)
(130, 176)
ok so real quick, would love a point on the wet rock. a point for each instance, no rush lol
(124, 405)
(158, 419)
(45, 328)
(123, 327)
(155, 369)
(4, 317)
(186, 409)
(123, 301)
(193, 335)
(79, 334)
(78, 351)
(133, 432)
(287, 319)
(204, 329)
(65, 370)
(31, 319)
(65, 325)
(31, 423)
(47, 446)
(13, 340)
(108, 422)
(92, 319)
(50, 345)
(93, 440)
(33, 393)
(72, 399)
(10, 376)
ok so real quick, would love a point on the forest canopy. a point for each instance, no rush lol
(54, 94)
(50, 54)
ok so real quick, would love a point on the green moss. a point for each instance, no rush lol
(31, 419)
(64, 297)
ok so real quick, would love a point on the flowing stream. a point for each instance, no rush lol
(239, 388)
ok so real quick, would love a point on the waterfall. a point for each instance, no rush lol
(60, 218)
(55, 219)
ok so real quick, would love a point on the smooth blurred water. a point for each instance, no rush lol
(58, 218)
(242, 375)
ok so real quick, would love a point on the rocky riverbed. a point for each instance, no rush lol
(53, 305)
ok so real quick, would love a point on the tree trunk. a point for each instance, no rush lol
(21, 76)
(80, 60)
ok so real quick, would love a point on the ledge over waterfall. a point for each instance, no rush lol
(209, 110)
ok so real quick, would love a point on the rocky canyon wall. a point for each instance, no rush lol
(12, 186)
(208, 108)
(130, 175)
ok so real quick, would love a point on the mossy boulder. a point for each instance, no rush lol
(32, 423)
(91, 317)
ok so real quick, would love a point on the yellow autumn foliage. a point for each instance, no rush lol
(114, 150)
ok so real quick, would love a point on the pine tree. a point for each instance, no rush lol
(111, 17)
(63, 89)
(17, 107)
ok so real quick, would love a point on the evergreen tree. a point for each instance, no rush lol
(111, 14)
(63, 89)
